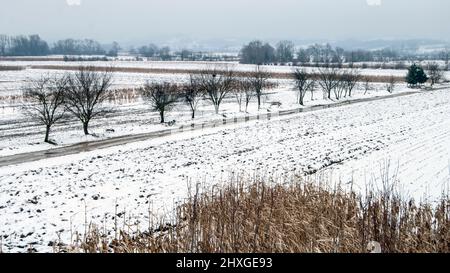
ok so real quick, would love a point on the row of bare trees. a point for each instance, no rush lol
(51, 98)
(81, 94)
(341, 82)
(213, 85)
(331, 80)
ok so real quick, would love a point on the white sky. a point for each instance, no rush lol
(128, 20)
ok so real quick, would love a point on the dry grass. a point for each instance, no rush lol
(31, 59)
(273, 75)
(11, 68)
(295, 217)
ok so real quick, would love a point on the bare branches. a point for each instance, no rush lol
(193, 94)
(246, 87)
(328, 80)
(341, 82)
(390, 86)
(161, 96)
(435, 73)
(350, 79)
(216, 83)
(87, 89)
(303, 83)
(47, 99)
(243, 92)
(366, 84)
(339, 88)
(285, 51)
(258, 79)
(80, 94)
(238, 92)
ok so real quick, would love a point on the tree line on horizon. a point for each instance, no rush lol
(255, 52)
(259, 52)
(34, 45)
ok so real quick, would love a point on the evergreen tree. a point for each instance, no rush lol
(416, 75)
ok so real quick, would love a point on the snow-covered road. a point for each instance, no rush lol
(41, 199)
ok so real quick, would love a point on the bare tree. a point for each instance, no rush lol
(243, 92)
(259, 79)
(87, 90)
(217, 83)
(340, 87)
(366, 85)
(350, 79)
(303, 83)
(193, 94)
(285, 51)
(47, 101)
(162, 96)
(390, 85)
(329, 79)
(238, 92)
(247, 88)
(435, 73)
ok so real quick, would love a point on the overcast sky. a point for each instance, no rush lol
(139, 20)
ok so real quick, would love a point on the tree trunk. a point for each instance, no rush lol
(161, 113)
(259, 101)
(85, 127)
(47, 133)
(193, 114)
(216, 106)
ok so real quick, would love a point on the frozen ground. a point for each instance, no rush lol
(19, 134)
(11, 82)
(192, 66)
(44, 200)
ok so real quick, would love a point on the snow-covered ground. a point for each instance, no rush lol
(405, 139)
(178, 65)
(19, 134)
(50, 199)
(11, 82)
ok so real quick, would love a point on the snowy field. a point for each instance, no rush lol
(20, 134)
(193, 66)
(130, 115)
(46, 200)
(11, 82)
(404, 140)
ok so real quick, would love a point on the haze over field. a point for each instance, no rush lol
(139, 20)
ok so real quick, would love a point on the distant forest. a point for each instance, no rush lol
(255, 52)
(258, 52)
(33, 45)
